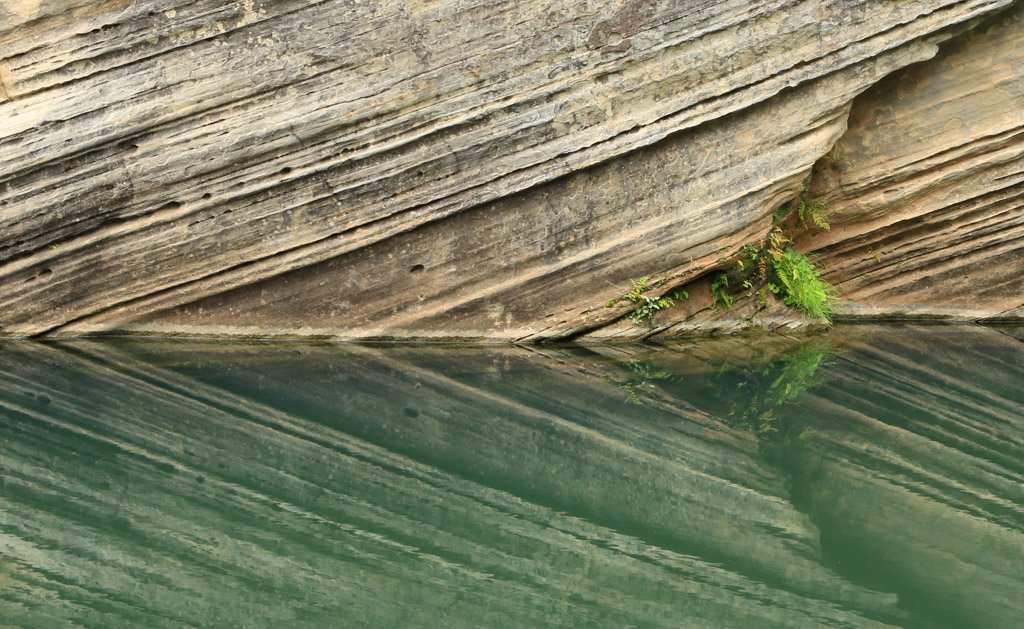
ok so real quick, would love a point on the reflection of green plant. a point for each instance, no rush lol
(798, 374)
(642, 376)
(801, 286)
(755, 394)
(647, 307)
(632, 395)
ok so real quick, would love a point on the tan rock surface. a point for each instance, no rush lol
(465, 170)
(927, 198)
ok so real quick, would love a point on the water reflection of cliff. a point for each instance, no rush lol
(854, 479)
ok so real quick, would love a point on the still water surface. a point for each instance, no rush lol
(873, 476)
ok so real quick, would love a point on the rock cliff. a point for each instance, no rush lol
(476, 170)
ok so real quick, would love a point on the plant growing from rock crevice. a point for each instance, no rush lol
(719, 294)
(787, 273)
(800, 285)
(646, 306)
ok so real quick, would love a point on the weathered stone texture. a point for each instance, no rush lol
(927, 190)
(467, 169)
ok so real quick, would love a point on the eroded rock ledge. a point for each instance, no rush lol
(472, 170)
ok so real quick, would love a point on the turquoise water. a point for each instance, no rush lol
(872, 476)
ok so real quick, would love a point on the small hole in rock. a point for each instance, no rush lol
(44, 274)
(416, 269)
(419, 173)
(411, 412)
(43, 399)
(285, 170)
(170, 205)
(207, 196)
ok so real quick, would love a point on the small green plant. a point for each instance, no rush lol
(789, 274)
(781, 213)
(808, 210)
(633, 296)
(800, 285)
(837, 157)
(813, 211)
(719, 295)
(647, 307)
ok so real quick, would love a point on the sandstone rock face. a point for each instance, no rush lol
(926, 193)
(471, 170)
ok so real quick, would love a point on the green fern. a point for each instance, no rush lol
(800, 285)
(718, 292)
(647, 307)
(813, 210)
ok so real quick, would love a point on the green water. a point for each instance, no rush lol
(873, 476)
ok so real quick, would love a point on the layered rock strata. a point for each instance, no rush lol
(472, 170)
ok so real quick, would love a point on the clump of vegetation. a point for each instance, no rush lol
(808, 210)
(835, 157)
(812, 210)
(787, 273)
(718, 293)
(800, 285)
(647, 307)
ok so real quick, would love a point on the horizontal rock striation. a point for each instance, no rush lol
(470, 169)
